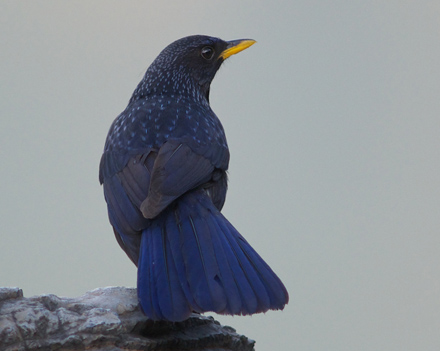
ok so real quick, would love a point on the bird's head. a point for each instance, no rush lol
(188, 65)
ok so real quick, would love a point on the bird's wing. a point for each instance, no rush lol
(126, 179)
(176, 170)
(126, 182)
(139, 188)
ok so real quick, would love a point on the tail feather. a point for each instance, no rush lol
(175, 253)
(207, 291)
(250, 271)
(274, 287)
(230, 273)
(199, 266)
(159, 278)
(249, 300)
(145, 280)
(193, 259)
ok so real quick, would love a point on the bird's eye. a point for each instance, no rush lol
(207, 52)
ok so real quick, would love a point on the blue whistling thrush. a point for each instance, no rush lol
(164, 176)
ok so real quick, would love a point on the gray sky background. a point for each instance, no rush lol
(333, 122)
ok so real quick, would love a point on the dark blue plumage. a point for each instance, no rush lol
(164, 176)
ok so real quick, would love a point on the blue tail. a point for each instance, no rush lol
(193, 259)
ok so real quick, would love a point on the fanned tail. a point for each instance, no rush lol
(193, 259)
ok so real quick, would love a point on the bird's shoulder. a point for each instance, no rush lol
(151, 121)
(146, 124)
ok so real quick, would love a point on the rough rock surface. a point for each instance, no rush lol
(103, 319)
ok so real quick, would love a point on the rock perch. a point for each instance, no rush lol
(103, 319)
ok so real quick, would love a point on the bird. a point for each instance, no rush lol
(164, 176)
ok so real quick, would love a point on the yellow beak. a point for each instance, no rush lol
(235, 46)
